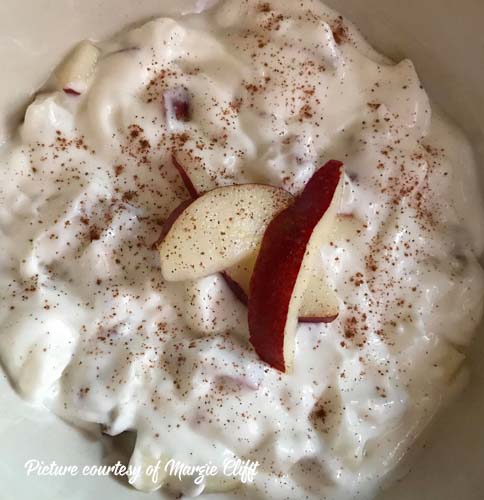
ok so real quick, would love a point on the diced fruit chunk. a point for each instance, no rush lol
(176, 102)
(74, 72)
(219, 229)
(285, 264)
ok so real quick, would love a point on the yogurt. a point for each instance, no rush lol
(274, 89)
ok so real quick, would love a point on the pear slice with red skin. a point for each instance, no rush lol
(320, 303)
(284, 266)
(218, 229)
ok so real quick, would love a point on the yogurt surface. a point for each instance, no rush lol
(90, 330)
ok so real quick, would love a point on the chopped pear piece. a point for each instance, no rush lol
(75, 71)
(285, 265)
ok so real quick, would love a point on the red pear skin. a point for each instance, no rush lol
(278, 264)
(317, 319)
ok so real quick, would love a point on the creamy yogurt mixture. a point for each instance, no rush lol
(90, 330)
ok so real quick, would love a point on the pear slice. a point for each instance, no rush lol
(320, 304)
(285, 264)
(219, 229)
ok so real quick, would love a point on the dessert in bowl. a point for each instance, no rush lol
(235, 114)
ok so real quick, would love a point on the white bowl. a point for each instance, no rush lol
(443, 38)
